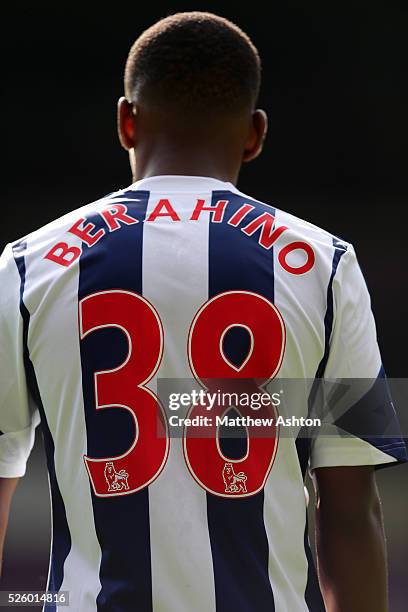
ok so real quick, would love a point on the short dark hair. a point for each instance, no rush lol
(194, 62)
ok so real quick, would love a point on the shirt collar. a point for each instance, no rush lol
(178, 183)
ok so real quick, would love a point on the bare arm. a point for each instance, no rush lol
(350, 540)
(7, 488)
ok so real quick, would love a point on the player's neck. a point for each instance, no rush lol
(194, 163)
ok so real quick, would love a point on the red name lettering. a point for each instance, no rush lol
(217, 211)
(115, 213)
(84, 233)
(293, 246)
(67, 254)
(166, 206)
(269, 235)
(240, 214)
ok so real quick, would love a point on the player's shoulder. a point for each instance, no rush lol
(314, 232)
(48, 232)
(299, 228)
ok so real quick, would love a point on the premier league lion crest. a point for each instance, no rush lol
(116, 480)
(234, 483)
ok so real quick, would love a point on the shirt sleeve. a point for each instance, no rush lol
(362, 428)
(19, 415)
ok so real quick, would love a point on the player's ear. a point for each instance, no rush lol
(256, 136)
(126, 123)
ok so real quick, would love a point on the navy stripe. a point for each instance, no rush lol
(373, 419)
(61, 537)
(121, 522)
(339, 249)
(313, 595)
(238, 538)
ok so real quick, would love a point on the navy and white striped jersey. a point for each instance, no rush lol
(145, 284)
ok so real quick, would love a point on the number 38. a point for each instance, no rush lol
(125, 386)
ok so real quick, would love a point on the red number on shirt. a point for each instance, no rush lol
(216, 473)
(124, 388)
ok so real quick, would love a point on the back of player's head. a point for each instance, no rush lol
(194, 62)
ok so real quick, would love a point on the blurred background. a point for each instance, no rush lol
(335, 89)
